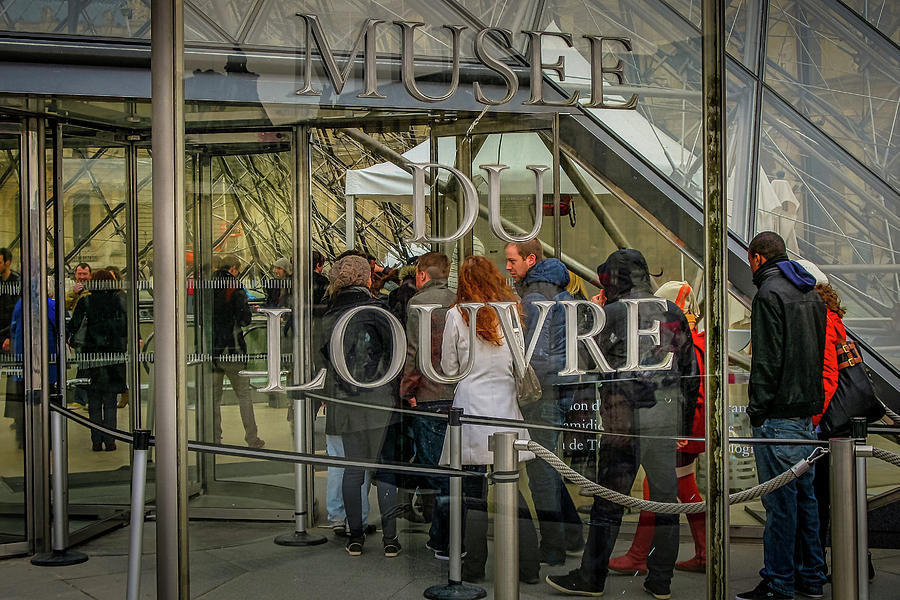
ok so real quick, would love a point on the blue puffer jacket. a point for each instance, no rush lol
(547, 280)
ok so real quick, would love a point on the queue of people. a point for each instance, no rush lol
(648, 393)
(660, 403)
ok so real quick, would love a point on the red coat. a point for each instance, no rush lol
(699, 428)
(834, 331)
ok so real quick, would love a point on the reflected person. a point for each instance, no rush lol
(656, 403)
(231, 313)
(99, 328)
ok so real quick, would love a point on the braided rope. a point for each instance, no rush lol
(887, 456)
(891, 414)
(672, 508)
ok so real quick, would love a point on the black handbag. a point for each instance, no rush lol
(855, 396)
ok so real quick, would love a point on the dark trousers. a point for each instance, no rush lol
(102, 408)
(368, 445)
(560, 523)
(475, 526)
(428, 432)
(618, 461)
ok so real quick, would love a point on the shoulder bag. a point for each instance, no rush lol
(855, 396)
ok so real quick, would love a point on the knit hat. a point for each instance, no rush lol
(348, 271)
(285, 265)
(681, 294)
(812, 269)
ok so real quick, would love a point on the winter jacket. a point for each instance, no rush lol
(699, 427)
(104, 341)
(625, 276)
(367, 351)
(231, 312)
(414, 384)
(788, 340)
(489, 390)
(834, 331)
(17, 335)
(547, 280)
(398, 299)
(10, 292)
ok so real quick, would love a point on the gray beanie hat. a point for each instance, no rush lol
(348, 271)
(285, 265)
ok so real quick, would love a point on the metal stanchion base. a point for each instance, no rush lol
(455, 591)
(299, 538)
(59, 558)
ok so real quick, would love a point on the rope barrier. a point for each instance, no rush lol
(887, 456)
(595, 489)
(269, 454)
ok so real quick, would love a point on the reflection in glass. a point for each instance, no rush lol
(12, 388)
(840, 218)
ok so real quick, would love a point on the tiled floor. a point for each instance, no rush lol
(237, 560)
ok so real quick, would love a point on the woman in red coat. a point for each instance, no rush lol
(835, 334)
(635, 560)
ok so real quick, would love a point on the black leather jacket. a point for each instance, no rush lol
(788, 341)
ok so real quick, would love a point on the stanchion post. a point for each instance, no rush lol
(844, 585)
(455, 588)
(300, 536)
(60, 555)
(506, 524)
(138, 496)
(858, 431)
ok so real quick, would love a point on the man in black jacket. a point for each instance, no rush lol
(231, 313)
(786, 390)
(643, 407)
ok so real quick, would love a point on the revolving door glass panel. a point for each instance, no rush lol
(239, 255)
(12, 438)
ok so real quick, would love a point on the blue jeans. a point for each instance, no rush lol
(428, 433)
(560, 524)
(334, 499)
(791, 547)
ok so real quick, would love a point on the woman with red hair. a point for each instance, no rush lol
(489, 390)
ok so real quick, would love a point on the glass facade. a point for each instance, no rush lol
(299, 144)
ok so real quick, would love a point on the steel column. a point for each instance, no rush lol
(166, 72)
(506, 523)
(715, 230)
(844, 583)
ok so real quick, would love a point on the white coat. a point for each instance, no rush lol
(489, 390)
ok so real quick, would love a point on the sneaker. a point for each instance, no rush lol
(658, 589)
(628, 565)
(445, 555)
(338, 528)
(694, 565)
(807, 592)
(257, 443)
(355, 546)
(391, 547)
(572, 583)
(762, 592)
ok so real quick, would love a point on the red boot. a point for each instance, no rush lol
(688, 492)
(634, 562)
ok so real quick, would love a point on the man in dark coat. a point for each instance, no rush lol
(642, 410)
(541, 279)
(10, 293)
(231, 312)
(786, 390)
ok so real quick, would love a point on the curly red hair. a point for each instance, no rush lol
(480, 281)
